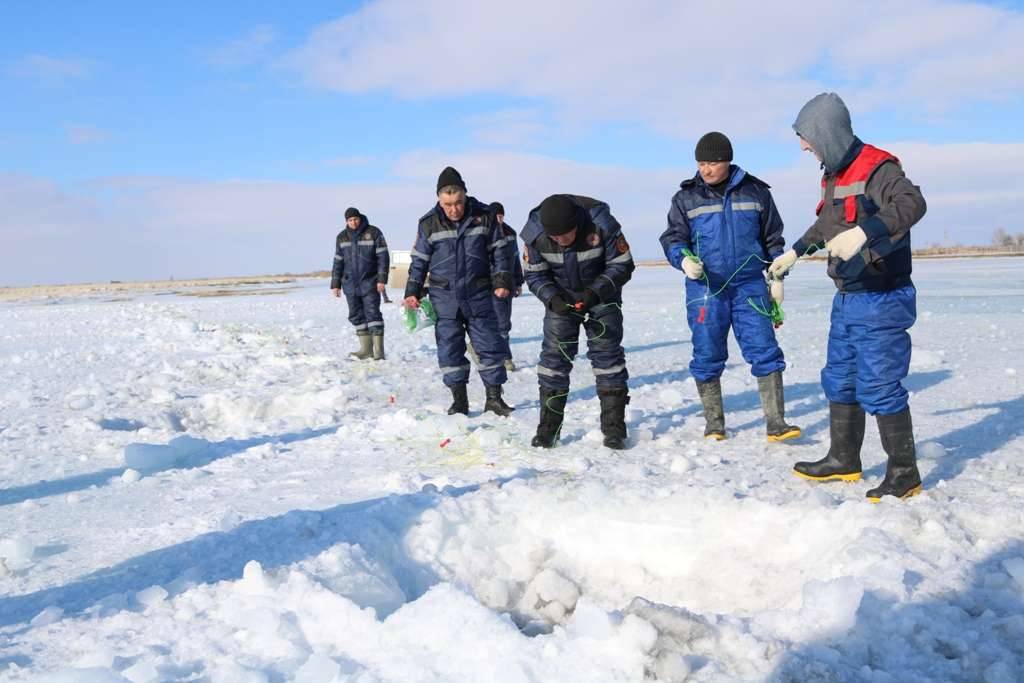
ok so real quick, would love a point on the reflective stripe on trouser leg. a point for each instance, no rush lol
(503, 310)
(604, 347)
(709, 337)
(355, 311)
(450, 334)
(371, 309)
(483, 332)
(754, 332)
(554, 368)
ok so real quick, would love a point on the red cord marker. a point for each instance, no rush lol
(445, 442)
(700, 314)
(391, 398)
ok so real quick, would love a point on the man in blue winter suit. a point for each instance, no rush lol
(726, 218)
(577, 262)
(361, 266)
(503, 306)
(460, 244)
(866, 211)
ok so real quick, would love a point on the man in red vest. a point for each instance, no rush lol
(865, 214)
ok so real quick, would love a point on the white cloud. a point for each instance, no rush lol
(679, 67)
(85, 135)
(510, 127)
(151, 228)
(50, 70)
(245, 50)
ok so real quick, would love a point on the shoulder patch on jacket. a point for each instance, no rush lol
(622, 245)
(526, 255)
(594, 239)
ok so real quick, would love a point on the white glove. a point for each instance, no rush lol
(781, 265)
(848, 243)
(693, 269)
(775, 291)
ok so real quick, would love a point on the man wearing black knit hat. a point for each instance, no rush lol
(461, 245)
(503, 306)
(723, 229)
(577, 262)
(361, 266)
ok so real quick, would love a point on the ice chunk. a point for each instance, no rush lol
(318, 669)
(50, 615)
(1015, 568)
(16, 553)
(669, 398)
(931, 450)
(151, 596)
(84, 676)
(181, 451)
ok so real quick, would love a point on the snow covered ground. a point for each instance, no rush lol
(208, 490)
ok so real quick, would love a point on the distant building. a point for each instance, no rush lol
(399, 275)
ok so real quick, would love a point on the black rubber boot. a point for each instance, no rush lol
(714, 413)
(846, 429)
(460, 400)
(552, 410)
(613, 416)
(901, 476)
(378, 346)
(494, 403)
(773, 402)
(365, 346)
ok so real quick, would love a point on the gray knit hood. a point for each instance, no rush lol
(824, 122)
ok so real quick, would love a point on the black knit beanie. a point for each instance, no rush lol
(497, 208)
(558, 214)
(449, 176)
(351, 212)
(714, 147)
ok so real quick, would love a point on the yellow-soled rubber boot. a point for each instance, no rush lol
(842, 463)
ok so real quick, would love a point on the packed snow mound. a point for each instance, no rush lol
(209, 489)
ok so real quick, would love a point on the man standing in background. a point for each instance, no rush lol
(361, 265)
(503, 307)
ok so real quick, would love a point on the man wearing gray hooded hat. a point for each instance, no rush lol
(865, 214)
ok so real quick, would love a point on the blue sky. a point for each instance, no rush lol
(203, 139)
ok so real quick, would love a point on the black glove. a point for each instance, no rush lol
(589, 301)
(557, 304)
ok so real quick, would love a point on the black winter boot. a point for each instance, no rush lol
(613, 416)
(774, 404)
(714, 413)
(494, 403)
(901, 476)
(365, 346)
(552, 411)
(842, 463)
(460, 400)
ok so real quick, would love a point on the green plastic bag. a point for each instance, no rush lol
(418, 318)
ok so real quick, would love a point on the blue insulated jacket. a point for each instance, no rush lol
(599, 259)
(466, 261)
(517, 265)
(724, 231)
(361, 259)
